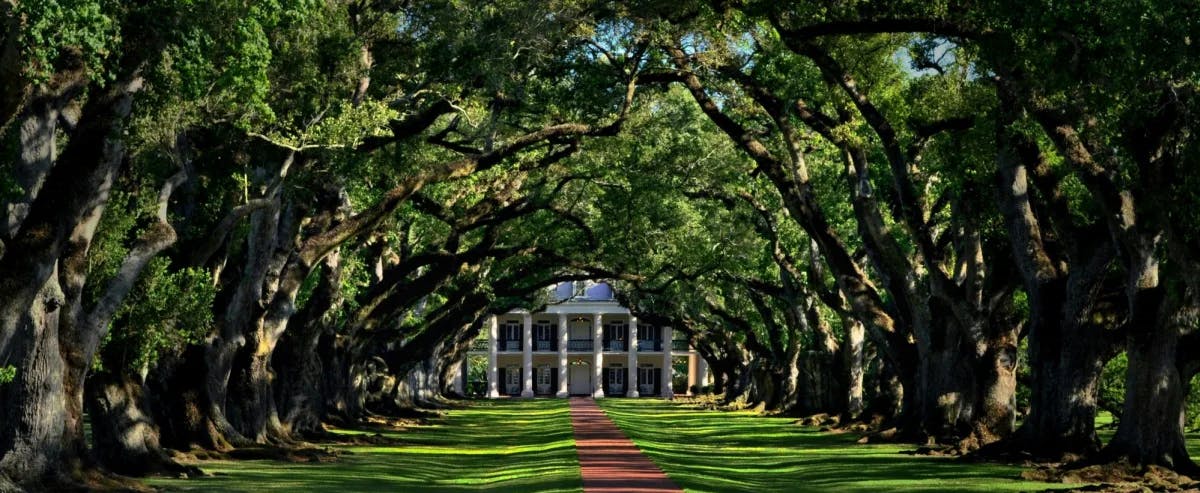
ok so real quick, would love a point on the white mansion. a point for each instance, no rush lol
(585, 343)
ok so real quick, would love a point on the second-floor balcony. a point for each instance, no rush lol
(581, 346)
(615, 345)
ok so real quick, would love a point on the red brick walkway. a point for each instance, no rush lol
(610, 461)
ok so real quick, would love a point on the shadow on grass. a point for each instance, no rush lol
(737, 451)
(508, 445)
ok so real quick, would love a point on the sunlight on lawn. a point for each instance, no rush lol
(505, 445)
(740, 451)
(527, 446)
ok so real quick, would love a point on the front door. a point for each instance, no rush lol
(543, 380)
(616, 380)
(646, 378)
(513, 377)
(581, 380)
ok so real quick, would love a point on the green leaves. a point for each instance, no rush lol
(7, 374)
(56, 30)
(166, 311)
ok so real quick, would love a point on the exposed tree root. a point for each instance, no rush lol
(262, 452)
(97, 480)
(1014, 450)
(886, 435)
(1114, 477)
(87, 480)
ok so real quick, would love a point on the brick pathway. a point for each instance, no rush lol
(610, 461)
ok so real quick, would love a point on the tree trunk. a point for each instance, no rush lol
(1066, 352)
(34, 403)
(1152, 420)
(888, 399)
(125, 436)
(42, 274)
(994, 411)
(178, 398)
(241, 319)
(853, 357)
(300, 389)
(1066, 358)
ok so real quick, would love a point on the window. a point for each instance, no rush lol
(617, 331)
(543, 331)
(616, 376)
(514, 375)
(543, 375)
(581, 289)
(649, 332)
(510, 337)
(512, 331)
(646, 375)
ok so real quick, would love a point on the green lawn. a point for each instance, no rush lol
(505, 445)
(740, 451)
(527, 446)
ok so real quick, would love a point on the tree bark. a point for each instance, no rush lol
(853, 359)
(1151, 430)
(300, 387)
(34, 403)
(124, 434)
(42, 274)
(179, 400)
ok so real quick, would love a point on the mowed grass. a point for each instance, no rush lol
(740, 451)
(503, 445)
(528, 446)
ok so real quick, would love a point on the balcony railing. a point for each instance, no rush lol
(615, 346)
(579, 345)
(479, 345)
(509, 346)
(679, 345)
(649, 345)
(543, 346)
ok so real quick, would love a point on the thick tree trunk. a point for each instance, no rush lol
(1066, 353)
(42, 274)
(854, 362)
(251, 408)
(125, 436)
(336, 378)
(1152, 421)
(178, 398)
(34, 403)
(300, 388)
(887, 400)
(1066, 358)
(789, 380)
(994, 410)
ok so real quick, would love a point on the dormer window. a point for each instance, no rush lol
(581, 289)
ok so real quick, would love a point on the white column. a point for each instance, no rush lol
(667, 391)
(493, 373)
(597, 356)
(527, 357)
(564, 337)
(701, 372)
(631, 377)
